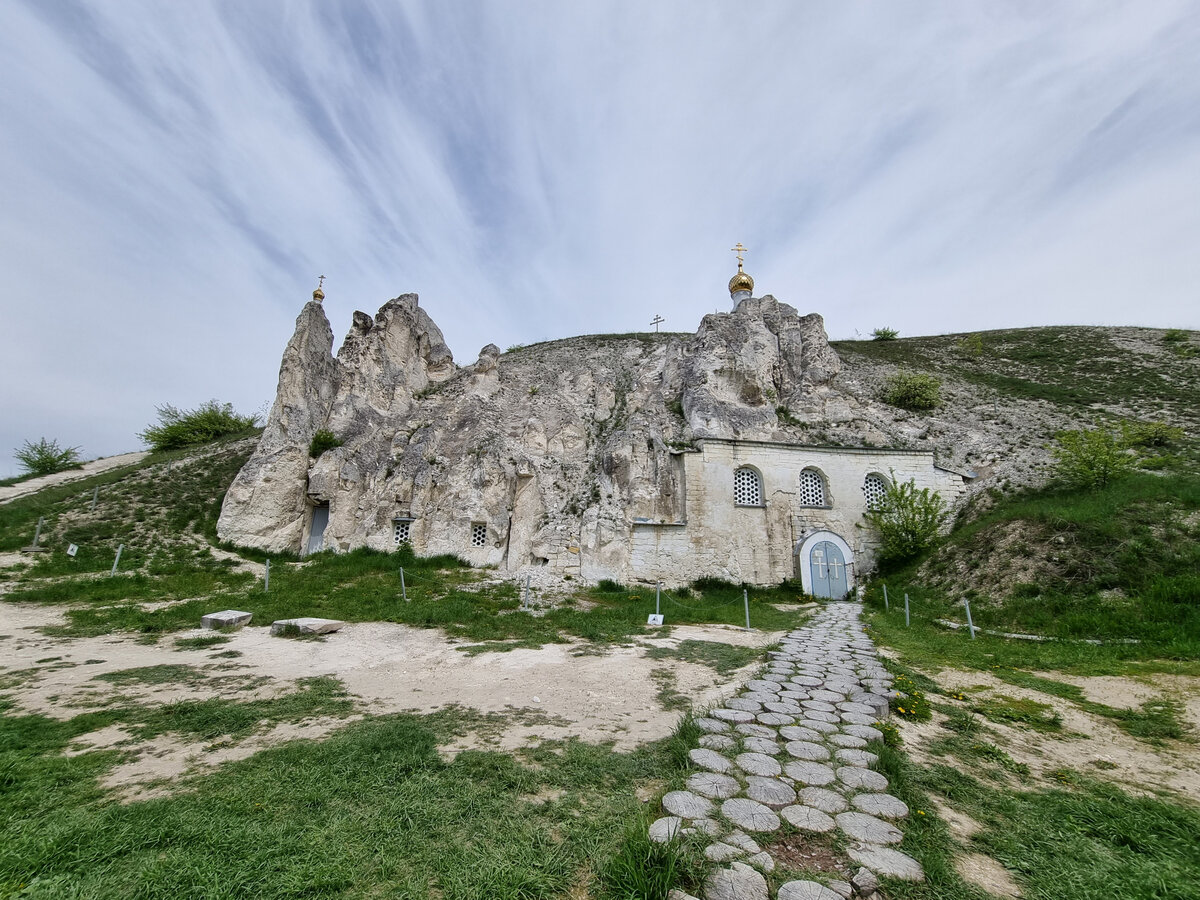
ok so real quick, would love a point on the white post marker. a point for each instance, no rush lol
(906, 619)
(120, 547)
(657, 594)
(886, 605)
(970, 624)
(746, 601)
(403, 590)
(267, 577)
(95, 494)
(525, 602)
(37, 532)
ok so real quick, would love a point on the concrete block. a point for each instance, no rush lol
(307, 625)
(228, 618)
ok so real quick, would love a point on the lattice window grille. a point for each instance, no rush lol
(747, 488)
(478, 534)
(812, 488)
(401, 531)
(874, 489)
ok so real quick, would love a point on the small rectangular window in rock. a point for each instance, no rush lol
(401, 531)
(478, 534)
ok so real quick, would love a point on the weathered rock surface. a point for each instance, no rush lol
(307, 625)
(228, 618)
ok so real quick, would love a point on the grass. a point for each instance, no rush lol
(724, 659)
(1086, 839)
(371, 811)
(163, 674)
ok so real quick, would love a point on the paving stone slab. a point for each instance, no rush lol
(743, 704)
(861, 779)
(796, 696)
(761, 684)
(883, 805)
(851, 706)
(743, 840)
(799, 733)
(808, 750)
(846, 741)
(866, 732)
(868, 829)
(738, 882)
(828, 696)
(761, 745)
(832, 718)
(769, 792)
(307, 625)
(806, 890)
(774, 718)
(886, 861)
(750, 815)
(753, 729)
(815, 725)
(758, 764)
(711, 760)
(717, 742)
(762, 861)
(819, 798)
(862, 758)
(665, 829)
(808, 819)
(226, 618)
(819, 706)
(732, 715)
(712, 726)
(713, 786)
(852, 718)
(687, 805)
(761, 697)
(721, 852)
(780, 706)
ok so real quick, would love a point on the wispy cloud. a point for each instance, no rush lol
(176, 175)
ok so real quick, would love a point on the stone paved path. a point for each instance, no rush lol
(788, 753)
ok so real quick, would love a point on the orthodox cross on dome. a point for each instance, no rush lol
(320, 281)
(739, 250)
(319, 294)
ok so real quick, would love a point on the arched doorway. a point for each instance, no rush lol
(825, 565)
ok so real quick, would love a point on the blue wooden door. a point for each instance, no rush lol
(828, 569)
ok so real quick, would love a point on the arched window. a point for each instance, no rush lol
(874, 489)
(747, 488)
(812, 489)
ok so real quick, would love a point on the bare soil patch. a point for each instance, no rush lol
(553, 692)
(808, 852)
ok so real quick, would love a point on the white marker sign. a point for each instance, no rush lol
(72, 550)
(654, 619)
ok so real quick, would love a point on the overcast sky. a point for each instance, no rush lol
(174, 177)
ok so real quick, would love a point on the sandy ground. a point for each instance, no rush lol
(552, 692)
(95, 467)
(1084, 739)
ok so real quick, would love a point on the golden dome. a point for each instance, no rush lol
(741, 282)
(319, 294)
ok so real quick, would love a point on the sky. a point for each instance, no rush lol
(175, 176)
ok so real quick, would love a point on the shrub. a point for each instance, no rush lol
(46, 457)
(971, 345)
(323, 440)
(178, 428)
(884, 334)
(907, 519)
(1149, 434)
(1090, 458)
(1175, 336)
(912, 391)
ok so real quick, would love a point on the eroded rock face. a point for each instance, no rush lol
(551, 453)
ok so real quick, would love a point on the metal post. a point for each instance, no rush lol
(95, 494)
(267, 577)
(120, 547)
(970, 624)
(906, 619)
(657, 594)
(525, 602)
(169, 461)
(746, 601)
(403, 589)
(37, 532)
(886, 605)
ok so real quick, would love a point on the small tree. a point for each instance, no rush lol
(46, 457)
(912, 390)
(1090, 459)
(907, 519)
(323, 440)
(884, 334)
(179, 428)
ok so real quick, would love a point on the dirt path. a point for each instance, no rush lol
(95, 467)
